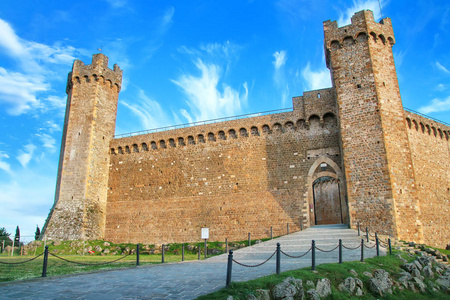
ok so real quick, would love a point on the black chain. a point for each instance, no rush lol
(293, 256)
(349, 248)
(22, 262)
(328, 250)
(88, 264)
(254, 266)
(369, 247)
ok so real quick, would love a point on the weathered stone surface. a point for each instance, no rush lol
(428, 272)
(287, 289)
(352, 286)
(262, 294)
(409, 267)
(353, 272)
(251, 297)
(309, 285)
(323, 287)
(419, 284)
(312, 294)
(381, 283)
(444, 282)
(367, 274)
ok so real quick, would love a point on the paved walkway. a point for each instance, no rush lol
(188, 280)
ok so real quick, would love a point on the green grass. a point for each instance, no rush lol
(336, 273)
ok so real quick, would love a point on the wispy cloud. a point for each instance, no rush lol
(436, 105)
(117, 3)
(3, 164)
(373, 5)
(47, 141)
(167, 19)
(316, 79)
(442, 68)
(279, 76)
(148, 111)
(25, 155)
(20, 89)
(205, 98)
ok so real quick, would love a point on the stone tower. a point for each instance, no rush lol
(375, 148)
(79, 209)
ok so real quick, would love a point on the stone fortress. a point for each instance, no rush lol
(346, 154)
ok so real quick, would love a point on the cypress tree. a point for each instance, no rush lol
(37, 233)
(17, 236)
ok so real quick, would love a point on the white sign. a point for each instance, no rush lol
(205, 233)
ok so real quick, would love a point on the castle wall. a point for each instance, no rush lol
(231, 184)
(430, 148)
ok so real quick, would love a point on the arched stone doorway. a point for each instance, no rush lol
(326, 193)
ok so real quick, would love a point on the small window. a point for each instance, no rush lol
(211, 137)
(266, 129)
(113, 151)
(181, 142)
(243, 132)
(127, 149)
(162, 144)
(222, 135)
(277, 127)
(135, 148)
(172, 143)
(191, 140)
(153, 145)
(200, 138)
(144, 147)
(254, 131)
(232, 134)
(289, 126)
(120, 150)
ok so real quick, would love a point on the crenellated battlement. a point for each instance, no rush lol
(97, 71)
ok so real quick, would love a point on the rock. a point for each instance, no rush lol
(429, 251)
(258, 242)
(262, 294)
(350, 285)
(447, 247)
(97, 248)
(438, 270)
(411, 244)
(191, 247)
(416, 274)
(445, 258)
(309, 285)
(323, 287)
(55, 251)
(428, 272)
(419, 284)
(251, 297)
(79, 252)
(410, 286)
(214, 251)
(444, 282)
(114, 253)
(367, 274)
(89, 248)
(289, 287)
(106, 251)
(381, 283)
(106, 244)
(424, 261)
(409, 267)
(230, 298)
(437, 253)
(312, 294)
(353, 272)
(418, 265)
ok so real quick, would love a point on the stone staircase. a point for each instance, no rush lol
(326, 238)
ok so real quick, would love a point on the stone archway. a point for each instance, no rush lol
(326, 177)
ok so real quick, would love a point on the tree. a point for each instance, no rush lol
(37, 234)
(4, 236)
(17, 236)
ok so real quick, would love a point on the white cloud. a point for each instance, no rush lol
(358, 5)
(167, 19)
(437, 105)
(280, 59)
(25, 155)
(316, 79)
(117, 3)
(20, 89)
(4, 165)
(442, 68)
(442, 87)
(148, 111)
(205, 98)
(47, 141)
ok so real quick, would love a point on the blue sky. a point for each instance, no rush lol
(183, 61)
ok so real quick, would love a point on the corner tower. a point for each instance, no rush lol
(375, 147)
(81, 189)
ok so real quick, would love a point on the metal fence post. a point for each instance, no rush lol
(278, 267)
(287, 228)
(377, 243)
(162, 253)
(271, 232)
(249, 239)
(229, 267)
(340, 251)
(199, 251)
(362, 249)
(226, 245)
(206, 248)
(313, 255)
(367, 233)
(182, 252)
(44, 267)
(301, 224)
(137, 254)
(390, 247)
(359, 233)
